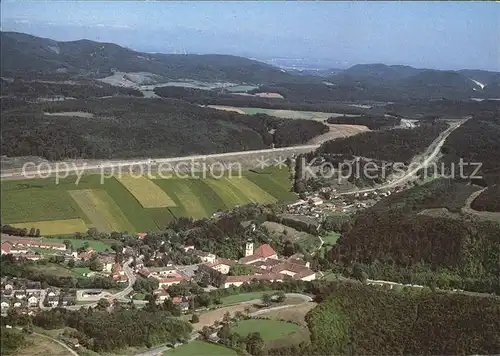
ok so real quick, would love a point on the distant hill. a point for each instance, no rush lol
(405, 82)
(26, 54)
(30, 57)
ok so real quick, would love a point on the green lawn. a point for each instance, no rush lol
(269, 329)
(139, 296)
(80, 271)
(243, 297)
(201, 348)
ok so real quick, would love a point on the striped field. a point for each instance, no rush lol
(146, 192)
(133, 204)
(101, 210)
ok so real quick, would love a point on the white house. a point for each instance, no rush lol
(32, 301)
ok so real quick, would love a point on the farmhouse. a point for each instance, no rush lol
(161, 294)
(167, 280)
(221, 265)
(86, 255)
(205, 256)
(237, 281)
(18, 243)
(107, 261)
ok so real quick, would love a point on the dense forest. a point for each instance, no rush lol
(361, 320)
(398, 240)
(127, 128)
(35, 90)
(25, 55)
(103, 331)
(424, 109)
(398, 145)
(489, 200)
(476, 142)
(372, 122)
(219, 97)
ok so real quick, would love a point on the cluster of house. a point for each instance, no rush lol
(166, 276)
(114, 269)
(26, 295)
(265, 265)
(24, 247)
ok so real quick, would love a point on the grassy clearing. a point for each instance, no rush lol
(201, 348)
(309, 243)
(52, 269)
(97, 245)
(55, 227)
(243, 297)
(285, 114)
(331, 237)
(269, 329)
(296, 313)
(146, 192)
(41, 346)
(101, 210)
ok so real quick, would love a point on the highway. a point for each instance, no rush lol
(430, 155)
(72, 167)
(120, 295)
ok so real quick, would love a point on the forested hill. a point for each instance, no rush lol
(27, 55)
(131, 128)
(422, 236)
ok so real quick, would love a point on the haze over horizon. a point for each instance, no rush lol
(445, 35)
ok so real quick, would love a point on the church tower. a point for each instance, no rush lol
(249, 249)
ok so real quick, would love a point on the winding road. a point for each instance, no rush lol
(306, 299)
(70, 350)
(120, 295)
(430, 155)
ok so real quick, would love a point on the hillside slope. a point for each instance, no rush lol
(24, 54)
(129, 127)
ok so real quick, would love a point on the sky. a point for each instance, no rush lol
(441, 35)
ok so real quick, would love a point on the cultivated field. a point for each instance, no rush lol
(132, 205)
(285, 114)
(146, 192)
(338, 130)
(101, 210)
(55, 227)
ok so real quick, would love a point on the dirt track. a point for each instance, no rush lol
(338, 130)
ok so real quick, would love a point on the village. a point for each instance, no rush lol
(28, 296)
